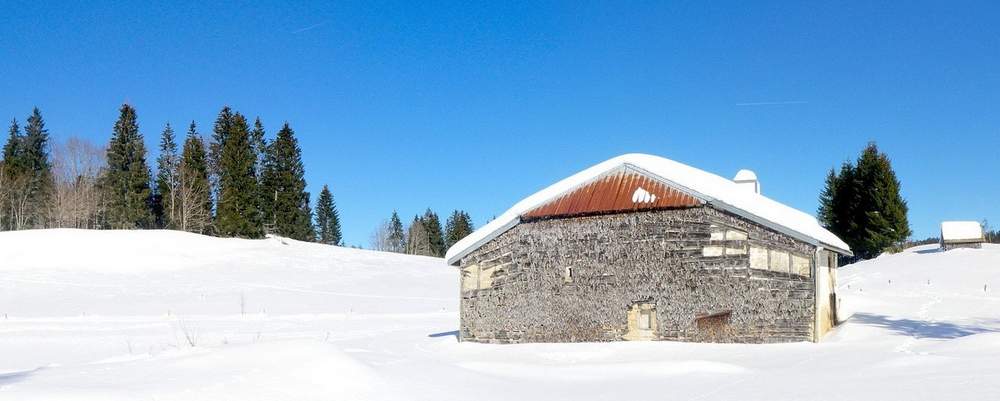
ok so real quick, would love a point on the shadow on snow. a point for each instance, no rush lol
(921, 328)
(14, 377)
(444, 334)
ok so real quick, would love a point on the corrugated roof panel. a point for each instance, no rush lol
(623, 191)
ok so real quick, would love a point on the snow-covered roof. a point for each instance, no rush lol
(961, 231)
(713, 189)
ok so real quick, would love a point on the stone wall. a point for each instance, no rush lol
(575, 279)
(958, 245)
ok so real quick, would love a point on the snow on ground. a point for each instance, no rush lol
(119, 315)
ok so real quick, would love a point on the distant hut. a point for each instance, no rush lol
(961, 234)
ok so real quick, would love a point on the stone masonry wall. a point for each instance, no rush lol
(620, 259)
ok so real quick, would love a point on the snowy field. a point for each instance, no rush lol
(160, 315)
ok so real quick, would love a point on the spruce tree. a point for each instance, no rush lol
(127, 178)
(459, 226)
(862, 205)
(397, 238)
(435, 235)
(11, 149)
(882, 206)
(220, 130)
(259, 143)
(327, 219)
(194, 193)
(237, 213)
(286, 202)
(12, 172)
(167, 177)
(39, 183)
(825, 213)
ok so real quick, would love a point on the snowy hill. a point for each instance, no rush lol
(125, 315)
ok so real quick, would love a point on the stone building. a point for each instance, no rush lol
(644, 248)
(961, 234)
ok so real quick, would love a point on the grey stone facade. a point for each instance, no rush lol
(575, 279)
(948, 245)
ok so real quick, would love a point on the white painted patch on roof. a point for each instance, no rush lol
(718, 191)
(641, 195)
(961, 230)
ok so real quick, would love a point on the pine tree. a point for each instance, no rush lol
(825, 213)
(844, 206)
(327, 219)
(459, 226)
(194, 193)
(884, 210)
(12, 174)
(167, 178)
(39, 183)
(237, 213)
(286, 201)
(418, 242)
(223, 126)
(434, 233)
(862, 205)
(259, 143)
(11, 149)
(396, 237)
(127, 178)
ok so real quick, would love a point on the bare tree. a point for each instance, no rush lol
(77, 201)
(379, 240)
(18, 202)
(192, 213)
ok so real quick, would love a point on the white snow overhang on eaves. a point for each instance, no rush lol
(713, 189)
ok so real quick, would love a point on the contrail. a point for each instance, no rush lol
(772, 103)
(310, 27)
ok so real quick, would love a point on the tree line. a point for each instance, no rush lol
(238, 184)
(861, 203)
(424, 235)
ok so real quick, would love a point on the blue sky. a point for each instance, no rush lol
(409, 105)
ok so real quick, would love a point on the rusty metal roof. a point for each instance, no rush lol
(624, 191)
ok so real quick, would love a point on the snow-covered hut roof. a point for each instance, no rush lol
(962, 231)
(713, 189)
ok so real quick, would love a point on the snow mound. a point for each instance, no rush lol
(81, 273)
(299, 370)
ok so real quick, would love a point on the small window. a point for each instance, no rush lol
(736, 251)
(641, 317)
(645, 319)
(722, 233)
(470, 278)
(568, 274)
(736, 235)
(758, 258)
(712, 251)
(486, 277)
(800, 265)
(718, 233)
(778, 261)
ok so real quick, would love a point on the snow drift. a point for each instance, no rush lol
(125, 315)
